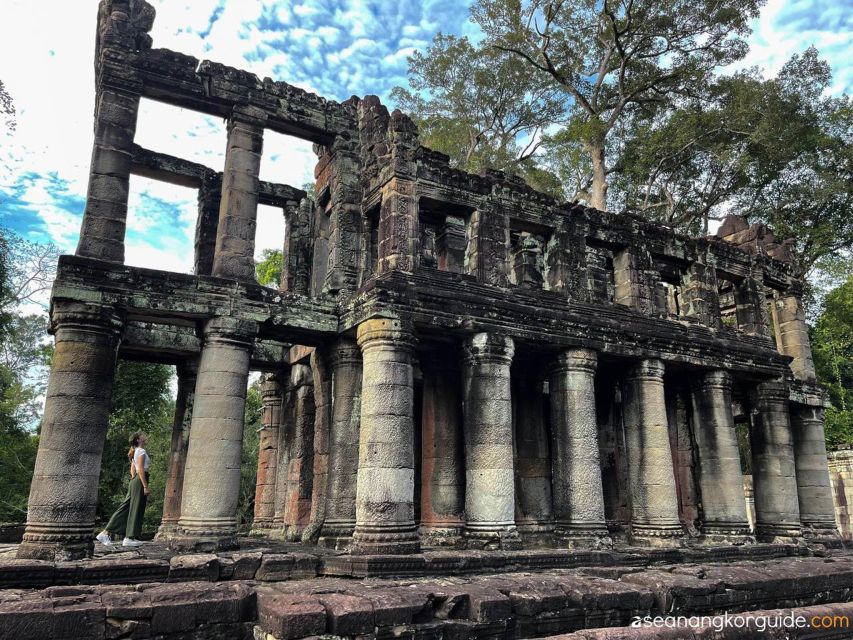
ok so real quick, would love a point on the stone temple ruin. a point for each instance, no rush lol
(451, 361)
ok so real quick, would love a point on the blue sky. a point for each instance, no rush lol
(333, 47)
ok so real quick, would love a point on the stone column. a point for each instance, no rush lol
(105, 217)
(700, 298)
(634, 285)
(534, 517)
(286, 433)
(751, 306)
(777, 511)
(385, 517)
(398, 226)
(578, 490)
(187, 372)
(814, 490)
(300, 457)
(235, 233)
(654, 497)
(212, 478)
(265, 483)
(488, 240)
(322, 419)
(720, 476)
(442, 451)
(345, 364)
(298, 248)
(793, 335)
(64, 491)
(209, 201)
(489, 474)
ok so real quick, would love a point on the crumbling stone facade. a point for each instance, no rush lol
(450, 360)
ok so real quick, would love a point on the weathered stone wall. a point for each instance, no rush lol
(841, 475)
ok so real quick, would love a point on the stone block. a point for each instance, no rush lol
(26, 620)
(25, 573)
(127, 605)
(85, 620)
(275, 567)
(347, 615)
(287, 616)
(202, 566)
(245, 565)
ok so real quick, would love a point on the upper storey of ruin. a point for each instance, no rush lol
(394, 229)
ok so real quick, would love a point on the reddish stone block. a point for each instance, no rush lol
(346, 614)
(85, 620)
(290, 616)
(199, 566)
(275, 567)
(26, 619)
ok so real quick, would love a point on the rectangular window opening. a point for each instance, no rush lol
(161, 220)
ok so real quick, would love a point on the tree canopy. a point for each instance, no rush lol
(617, 55)
(479, 106)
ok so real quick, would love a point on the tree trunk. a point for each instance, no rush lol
(598, 191)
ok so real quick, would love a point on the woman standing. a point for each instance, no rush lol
(127, 519)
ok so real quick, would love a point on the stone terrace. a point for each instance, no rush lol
(269, 595)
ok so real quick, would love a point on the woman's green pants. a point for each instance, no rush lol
(127, 520)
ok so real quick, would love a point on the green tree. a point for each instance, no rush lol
(832, 346)
(24, 356)
(268, 270)
(478, 105)
(777, 149)
(249, 461)
(612, 56)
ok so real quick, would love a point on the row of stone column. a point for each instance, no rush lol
(468, 486)
(371, 497)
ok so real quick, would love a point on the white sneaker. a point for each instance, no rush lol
(130, 542)
(104, 539)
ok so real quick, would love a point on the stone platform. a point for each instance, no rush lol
(269, 559)
(278, 591)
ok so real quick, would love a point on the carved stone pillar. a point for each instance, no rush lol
(720, 477)
(777, 511)
(265, 483)
(398, 226)
(490, 482)
(654, 497)
(187, 373)
(235, 233)
(793, 335)
(298, 248)
(385, 521)
(751, 306)
(286, 427)
(209, 200)
(488, 237)
(64, 491)
(578, 491)
(320, 371)
(300, 452)
(442, 451)
(105, 217)
(633, 285)
(341, 171)
(817, 507)
(534, 516)
(450, 245)
(699, 293)
(212, 478)
(346, 369)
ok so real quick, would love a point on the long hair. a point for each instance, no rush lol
(134, 442)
